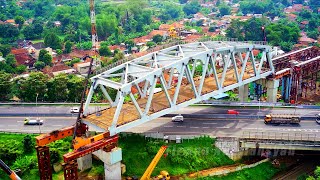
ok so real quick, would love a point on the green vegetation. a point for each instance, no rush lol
(316, 174)
(190, 156)
(18, 152)
(263, 171)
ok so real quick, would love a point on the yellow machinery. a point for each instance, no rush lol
(163, 174)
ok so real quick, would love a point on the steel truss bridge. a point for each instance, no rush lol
(164, 81)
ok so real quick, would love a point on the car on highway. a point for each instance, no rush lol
(36, 121)
(233, 112)
(178, 118)
(74, 110)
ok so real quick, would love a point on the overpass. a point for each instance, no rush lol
(165, 81)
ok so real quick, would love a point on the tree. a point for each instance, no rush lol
(57, 88)
(47, 59)
(5, 85)
(11, 60)
(235, 30)
(224, 10)
(105, 51)
(21, 69)
(35, 84)
(68, 47)
(27, 144)
(212, 29)
(53, 41)
(75, 84)
(151, 44)
(19, 20)
(192, 8)
(157, 38)
(5, 49)
(39, 65)
(9, 31)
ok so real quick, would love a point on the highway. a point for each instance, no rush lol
(210, 125)
(6, 110)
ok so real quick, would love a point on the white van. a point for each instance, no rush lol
(178, 118)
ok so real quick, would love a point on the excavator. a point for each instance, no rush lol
(8, 171)
(164, 175)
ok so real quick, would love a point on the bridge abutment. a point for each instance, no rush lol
(272, 90)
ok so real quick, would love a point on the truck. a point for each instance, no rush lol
(282, 119)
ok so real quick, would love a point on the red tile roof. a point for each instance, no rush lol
(23, 57)
(56, 68)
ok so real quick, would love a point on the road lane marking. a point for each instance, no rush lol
(12, 125)
(194, 127)
(209, 123)
(181, 126)
(57, 125)
(205, 127)
(222, 127)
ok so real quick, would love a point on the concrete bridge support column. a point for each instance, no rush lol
(243, 93)
(112, 162)
(272, 89)
(85, 162)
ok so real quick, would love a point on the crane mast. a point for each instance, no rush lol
(94, 37)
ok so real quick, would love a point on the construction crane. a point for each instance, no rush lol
(163, 174)
(8, 171)
(81, 144)
(94, 35)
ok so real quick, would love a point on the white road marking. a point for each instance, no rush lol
(205, 127)
(167, 126)
(13, 125)
(57, 125)
(222, 127)
(209, 123)
(181, 126)
(194, 127)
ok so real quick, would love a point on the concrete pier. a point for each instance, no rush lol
(243, 93)
(85, 162)
(272, 90)
(112, 162)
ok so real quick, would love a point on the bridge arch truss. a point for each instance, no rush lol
(164, 81)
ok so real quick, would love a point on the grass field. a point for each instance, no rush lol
(189, 156)
(263, 171)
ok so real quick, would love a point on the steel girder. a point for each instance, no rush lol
(223, 66)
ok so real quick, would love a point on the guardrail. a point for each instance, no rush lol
(261, 136)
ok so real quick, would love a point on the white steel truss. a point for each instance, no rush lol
(165, 81)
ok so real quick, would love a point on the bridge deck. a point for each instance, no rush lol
(159, 102)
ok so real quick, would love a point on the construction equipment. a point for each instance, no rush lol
(8, 171)
(282, 119)
(172, 32)
(163, 174)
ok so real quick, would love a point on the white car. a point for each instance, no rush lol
(178, 118)
(29, 121)
(74, 110)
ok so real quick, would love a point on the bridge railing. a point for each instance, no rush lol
(288, 136)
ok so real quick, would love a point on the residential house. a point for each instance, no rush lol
(23, 57)
(306, 41)
(58, 69)
(82, 67)
(292, 17)
(303, 24)
(10, 21)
